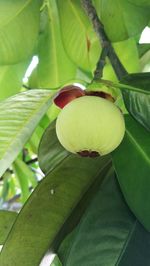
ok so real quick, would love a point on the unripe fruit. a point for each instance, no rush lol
(90, 126)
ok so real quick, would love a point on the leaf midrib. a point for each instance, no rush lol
(11, 143)
(16, 14)
(129, 236)
(138, 147)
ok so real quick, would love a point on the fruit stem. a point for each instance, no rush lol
(121, 86)
(107, 48)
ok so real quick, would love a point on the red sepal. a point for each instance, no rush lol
(67, 94)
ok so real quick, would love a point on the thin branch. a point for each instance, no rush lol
(98, 73)
(32, 161)
(121, 86)
(26, 87)
(105, 43)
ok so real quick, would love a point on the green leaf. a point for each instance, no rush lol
(11, 79)
(48, 207)
(54, 68)
(19, 26)
(129, 58)
(7, 219)
(108, 233)
(51, 153)
(143, 48)
(22, 179)
(140, 2)
(122, 19)
(80, 40)
(56, 262)
(132, 164)
(19, 115)
(5, 187)
(138, 104)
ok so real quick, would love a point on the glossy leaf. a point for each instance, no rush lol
(51, 153)
(7, 219)
(11, 79)
(108, 233)
(138, 104)
(133, 155)
(80, 40)
(122, 19)
(19, 26)
(48, 208)
(54, 68)
(19, 115)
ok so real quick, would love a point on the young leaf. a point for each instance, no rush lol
(25, 176)
(132, 164)
(11, 79)
(19, 116)
(48, 207)
(121, 19)
(54, 68)
(19, 27)
(138, 104)
(80, 40)
(108, 233)
(7, 219)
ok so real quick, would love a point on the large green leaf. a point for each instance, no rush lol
(138, 104)
(108, 233)
(121, 18)
(132, 165)
(7, 219)
(19, 26)
(79, 38)
(48, 207)
(19, 116)
(51, 153)
(54, 68)
(11, 79)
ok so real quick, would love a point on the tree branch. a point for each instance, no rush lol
(98, 73)
(105, 43)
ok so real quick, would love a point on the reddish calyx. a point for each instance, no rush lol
(87, 153)
(68, 94)
(71, 92)
(101, 94)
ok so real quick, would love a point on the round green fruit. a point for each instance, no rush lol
(90, 126)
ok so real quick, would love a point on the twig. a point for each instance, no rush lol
(32, 161)
(98, 73)
(105, 43)
(121, 86)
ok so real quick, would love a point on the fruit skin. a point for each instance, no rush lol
(89, 125)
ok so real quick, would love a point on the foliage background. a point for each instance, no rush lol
(87, 211)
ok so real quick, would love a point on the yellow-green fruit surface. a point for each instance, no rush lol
(90, 123)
